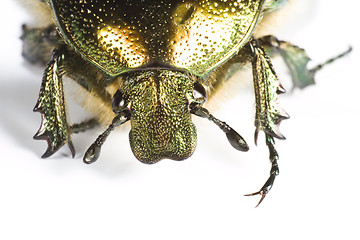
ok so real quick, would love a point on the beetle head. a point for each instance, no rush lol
(159, 103)
(161, 125)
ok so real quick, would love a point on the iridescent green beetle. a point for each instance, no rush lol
(154, 63)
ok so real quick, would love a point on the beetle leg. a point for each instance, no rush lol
(83, 126)
(268, 112)
(296, 60)
(330, 60)
(267, 87)
(294, 57)
(54, 127)
(273, 172)
(38, 43)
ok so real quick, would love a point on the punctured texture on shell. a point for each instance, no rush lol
(120, 35)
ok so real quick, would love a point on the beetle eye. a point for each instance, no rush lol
(199, 93)
(118, 102)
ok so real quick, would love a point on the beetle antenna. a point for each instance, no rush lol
(321, 65)
(93, 152)
(233, 137)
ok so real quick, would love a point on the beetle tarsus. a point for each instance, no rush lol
(83, 126)
(273, 156)
(262, 193)
(321, 65)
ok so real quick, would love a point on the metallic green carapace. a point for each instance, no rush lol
(119, 35)
(161, 125)
(153, 63)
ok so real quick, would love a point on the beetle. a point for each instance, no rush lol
(154, 63)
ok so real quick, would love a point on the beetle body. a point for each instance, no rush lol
(153, 63)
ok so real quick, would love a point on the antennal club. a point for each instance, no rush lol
(93, 152)
(233, 137)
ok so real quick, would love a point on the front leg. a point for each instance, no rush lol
(268, 112)
(267, 88)
(54, 126)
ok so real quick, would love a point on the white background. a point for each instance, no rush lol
(316, 195)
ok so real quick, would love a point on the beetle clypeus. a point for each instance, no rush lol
(154, 63)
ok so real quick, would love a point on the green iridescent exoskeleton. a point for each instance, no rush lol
(51, 104)
(118, 36)
(154, 63)
(161, 125)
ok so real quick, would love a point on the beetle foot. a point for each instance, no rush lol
(265, 189)
(273, 172)
(261, 192)
(321, 65)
